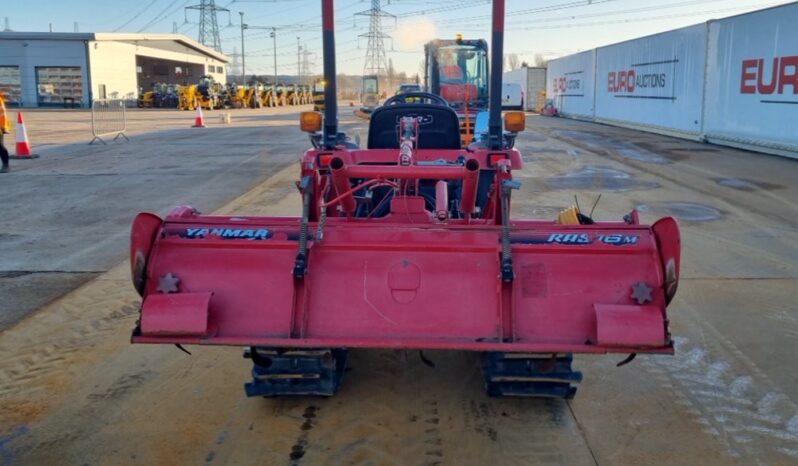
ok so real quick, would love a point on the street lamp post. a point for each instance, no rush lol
(243, 60)
(273, 35)
(298, 66)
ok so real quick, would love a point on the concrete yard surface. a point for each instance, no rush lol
(66, 213)
(73, 390)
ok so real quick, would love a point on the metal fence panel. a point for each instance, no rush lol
(108, 117)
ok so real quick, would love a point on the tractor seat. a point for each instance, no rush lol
(439, 126)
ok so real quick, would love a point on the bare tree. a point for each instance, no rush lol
(511, 61)
(540, 61)
(390, 73)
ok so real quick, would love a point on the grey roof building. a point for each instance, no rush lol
(57, 69)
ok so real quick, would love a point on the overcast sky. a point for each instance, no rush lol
(548, 27)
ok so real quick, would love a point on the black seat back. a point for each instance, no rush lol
(439, 126)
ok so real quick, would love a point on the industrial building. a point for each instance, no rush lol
(71, 69)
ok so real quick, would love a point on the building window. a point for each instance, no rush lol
(10, 84)
(54, 84)
(220, 69)
(159, 69)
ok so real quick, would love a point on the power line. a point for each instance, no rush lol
(648, 18)
(136, 16)
(620, 12)
(163, 14)
(443, 9)
(528, 11)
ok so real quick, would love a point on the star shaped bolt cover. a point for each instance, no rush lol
(168, 283)
(641, 293)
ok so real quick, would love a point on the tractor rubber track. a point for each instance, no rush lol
(280, 371)
(530, 374)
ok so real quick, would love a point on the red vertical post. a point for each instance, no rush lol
(341, 184)
(441, 200)
(468, 198)
(330, 89)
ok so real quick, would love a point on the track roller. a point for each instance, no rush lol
(529, 374)
(280, 371)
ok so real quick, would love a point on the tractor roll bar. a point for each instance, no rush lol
(496, 63)
(330, 89)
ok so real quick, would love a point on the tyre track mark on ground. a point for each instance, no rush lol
(432, 438)
(733, 407)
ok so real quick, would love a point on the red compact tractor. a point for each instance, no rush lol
(407, 244)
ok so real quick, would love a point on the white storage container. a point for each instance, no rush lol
(570, 84)
(752, 81)
(654, 83)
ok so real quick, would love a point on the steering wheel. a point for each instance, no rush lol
(416, 98)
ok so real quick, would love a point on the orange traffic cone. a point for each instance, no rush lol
(199, 120)
(23, 146)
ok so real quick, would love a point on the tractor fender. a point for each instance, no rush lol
(669, 244)
(143, 231)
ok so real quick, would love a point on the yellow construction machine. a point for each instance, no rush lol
(243, 97)
(187, 97)
(318, 95)
(209, 93)
(146, 99)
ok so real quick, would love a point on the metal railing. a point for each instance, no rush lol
(108, 117)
